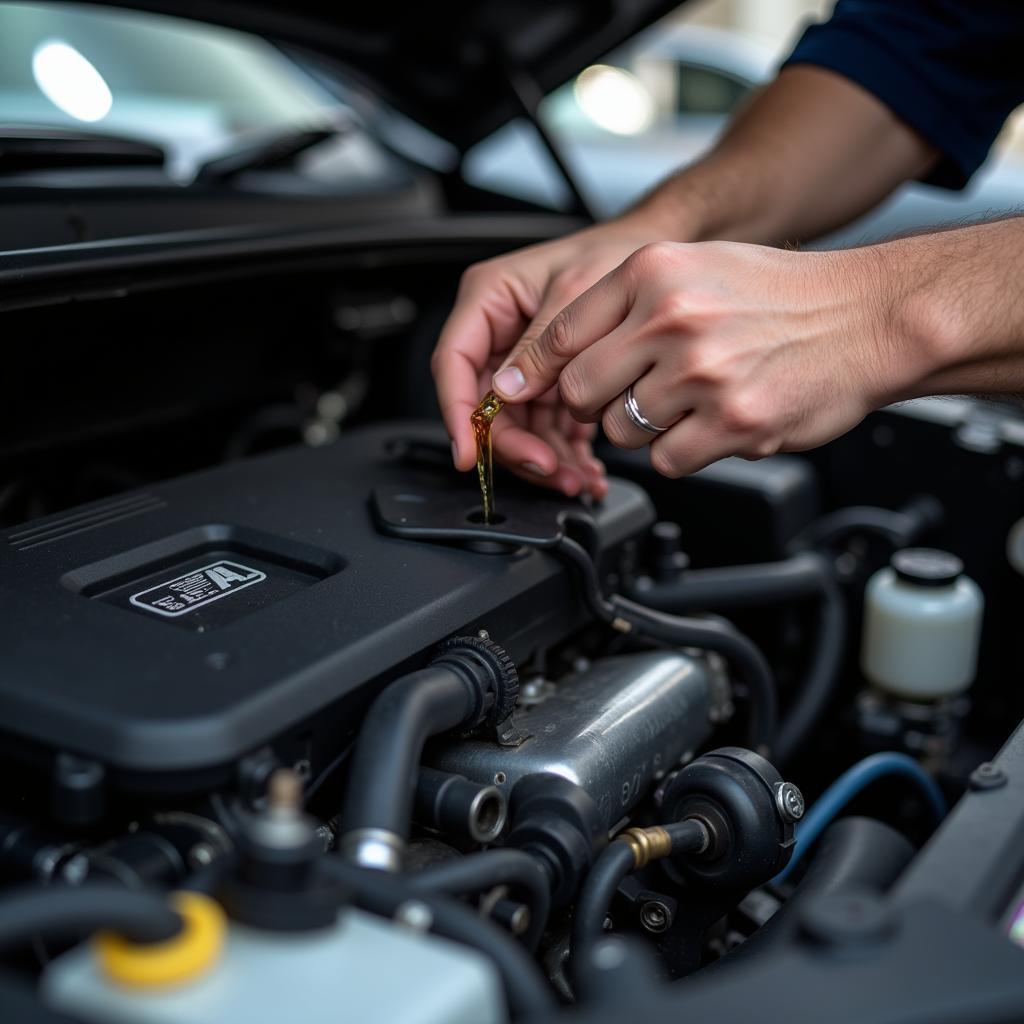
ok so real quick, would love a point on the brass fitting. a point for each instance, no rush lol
(647, 844)
(284, 790)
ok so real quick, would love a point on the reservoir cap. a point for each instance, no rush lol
(927, 567)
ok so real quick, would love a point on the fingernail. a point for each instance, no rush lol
(509, 381)
(455, 454)
(532, 467)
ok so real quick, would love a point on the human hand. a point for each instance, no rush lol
(735, 349)
(503, 305)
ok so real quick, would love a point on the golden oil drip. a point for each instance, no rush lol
(481, 418)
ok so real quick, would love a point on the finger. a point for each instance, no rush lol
(553, 483)
(554, 301)
(562, 289)
(536, 367)
(658, 403)
(596, 482)
(518, 448)
(574, 429)
(571, 476)
(693, 443)
(600, 373)
(536, 444)
(581, 439)
(477, 325)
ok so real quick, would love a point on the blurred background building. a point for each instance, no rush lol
(773, 23)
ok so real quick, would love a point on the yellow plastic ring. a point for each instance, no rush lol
(190, 953)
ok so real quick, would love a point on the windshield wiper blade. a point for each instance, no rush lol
(29, 148)
(266, 151)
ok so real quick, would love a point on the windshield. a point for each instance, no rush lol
(191, 88)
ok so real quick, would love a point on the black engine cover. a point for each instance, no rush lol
(174, 630)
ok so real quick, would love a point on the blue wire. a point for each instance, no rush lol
(850, 784)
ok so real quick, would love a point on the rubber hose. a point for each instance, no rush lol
(898, 528)
(64, 910)
(386, 759)
(738, 586)
(614, 863)
(821, 678)
(709, 634)
(611, 867)
(854, 852)
(830, 804)
(480, 871)
(803, 576)
(526, 989)
(723, 638)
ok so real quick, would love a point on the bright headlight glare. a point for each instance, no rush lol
(70, 82)
(614, 99)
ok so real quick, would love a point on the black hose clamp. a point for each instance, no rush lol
(489, 671)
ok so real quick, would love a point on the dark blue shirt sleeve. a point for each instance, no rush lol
(951, 69)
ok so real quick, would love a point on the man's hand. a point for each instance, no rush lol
(811, 151)
(737, 349)
(503, 305)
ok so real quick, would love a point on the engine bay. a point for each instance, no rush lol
(289, 731)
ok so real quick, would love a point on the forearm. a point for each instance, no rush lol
(811, 152)
(956, 310)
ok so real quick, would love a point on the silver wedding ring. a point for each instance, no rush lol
(637, 418)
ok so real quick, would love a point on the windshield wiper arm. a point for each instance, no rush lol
(266, 151)
(29, 148)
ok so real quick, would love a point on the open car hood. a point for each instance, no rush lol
(445, 64)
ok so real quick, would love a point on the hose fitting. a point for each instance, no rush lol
(452, 804)
(472, 681)
(647, 844)
(658, 842)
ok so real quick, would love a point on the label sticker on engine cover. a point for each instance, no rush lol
(199, 587)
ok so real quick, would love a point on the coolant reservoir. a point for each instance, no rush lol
(922, 621)
(363, 968)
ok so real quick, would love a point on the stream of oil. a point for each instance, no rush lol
(481, 418)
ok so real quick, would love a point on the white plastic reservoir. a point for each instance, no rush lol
(922, 622)
(363, 970)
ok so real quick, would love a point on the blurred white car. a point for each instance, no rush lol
(658, 104)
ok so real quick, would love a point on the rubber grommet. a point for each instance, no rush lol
(189, 954)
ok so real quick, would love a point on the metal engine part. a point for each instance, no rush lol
(613, 729)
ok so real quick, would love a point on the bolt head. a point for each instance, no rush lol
(201, 855)
(654, 916)
(790, 801)
(414, 915)
(987, 776)
(520, 921)
(76, 870)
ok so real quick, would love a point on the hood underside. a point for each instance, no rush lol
(445, 64)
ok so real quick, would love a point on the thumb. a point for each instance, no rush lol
(551, 342)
